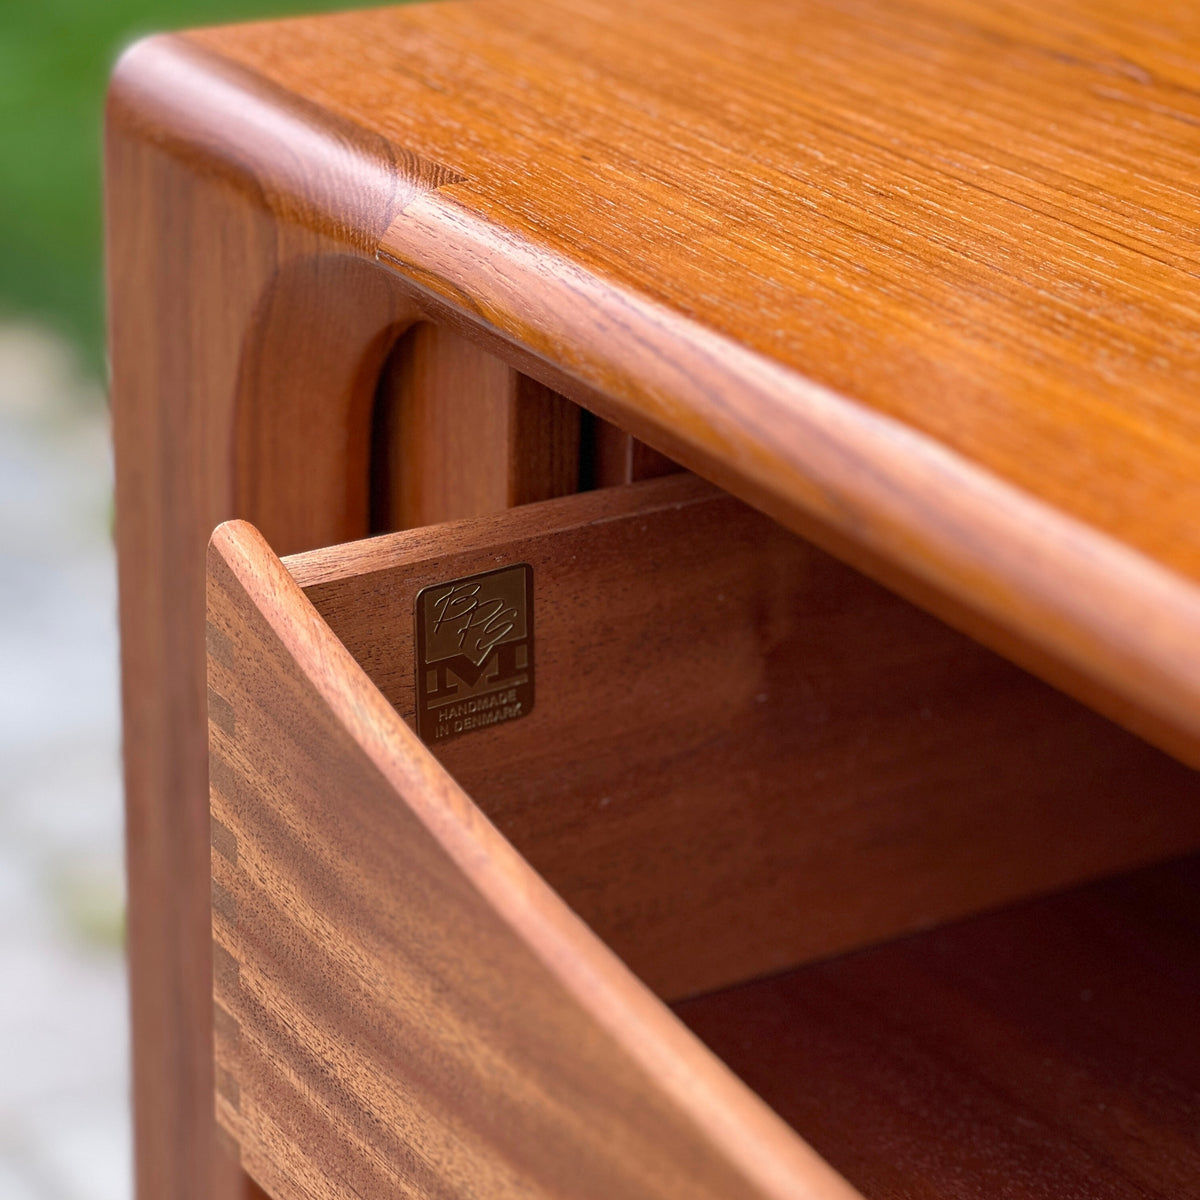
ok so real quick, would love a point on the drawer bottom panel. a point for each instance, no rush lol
(1050, 1049)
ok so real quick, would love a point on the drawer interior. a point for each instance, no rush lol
(775, 791)
(744, 754)
(1047, 1049)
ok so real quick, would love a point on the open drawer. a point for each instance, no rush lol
(673, 754)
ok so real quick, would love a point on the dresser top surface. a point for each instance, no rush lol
(943, 249)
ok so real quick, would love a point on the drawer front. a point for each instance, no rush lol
(403, 1006)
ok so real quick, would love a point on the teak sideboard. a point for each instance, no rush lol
(694, 689)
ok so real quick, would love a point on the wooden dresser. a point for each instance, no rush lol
(724, 721)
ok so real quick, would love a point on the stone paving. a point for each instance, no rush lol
(64, 1112)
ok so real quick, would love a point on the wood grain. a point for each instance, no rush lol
(744, 760)
(192, 252)
(1049, 1050)
(249, 325)
(403, 1006)
(917, 278)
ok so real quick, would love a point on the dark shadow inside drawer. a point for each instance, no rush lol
(1048, 1049)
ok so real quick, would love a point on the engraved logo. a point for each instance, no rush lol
(474, 652)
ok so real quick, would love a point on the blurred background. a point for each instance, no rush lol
(64, 1108)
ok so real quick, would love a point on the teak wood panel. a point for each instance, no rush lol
(918, 278)
(253, 301)
(743, 755)
(1044, 1051)
(249, 326)
(402, 1006)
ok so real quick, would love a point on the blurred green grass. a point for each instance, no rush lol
(55, 56)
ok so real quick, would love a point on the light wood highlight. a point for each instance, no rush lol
(403, 1006)
(1045, 1051)
(746, 758)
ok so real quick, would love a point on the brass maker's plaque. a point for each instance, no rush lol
(474, 652)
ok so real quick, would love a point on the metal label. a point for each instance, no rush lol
(474, 652)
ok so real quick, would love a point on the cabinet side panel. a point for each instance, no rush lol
(217, 276)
